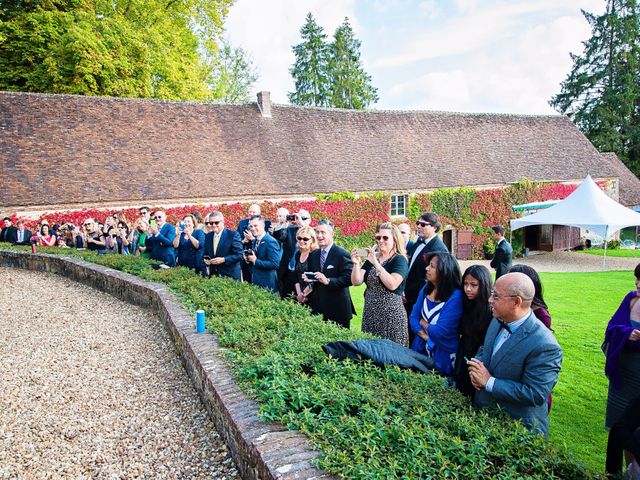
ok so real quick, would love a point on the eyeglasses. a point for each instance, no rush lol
(216, 222)
(498, 297)
(423, 224)
(142, 213)
(303, 239)
(157, 217)
(382, 237)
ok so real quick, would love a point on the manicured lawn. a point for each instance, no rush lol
(618, 252)
(580, 304)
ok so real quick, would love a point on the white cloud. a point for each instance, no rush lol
(267, 30)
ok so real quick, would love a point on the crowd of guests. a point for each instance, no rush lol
(492, 340)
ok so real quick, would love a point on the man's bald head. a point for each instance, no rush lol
(512, 296)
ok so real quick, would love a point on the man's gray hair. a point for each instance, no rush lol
(215, 213)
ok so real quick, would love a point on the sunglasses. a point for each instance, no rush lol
(303, 239)
(87, 224)
(382, 237)
(213, 223)
(157, 217)
(422, 224)
(142, 213)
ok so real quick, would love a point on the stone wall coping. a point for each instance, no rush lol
(261, 450)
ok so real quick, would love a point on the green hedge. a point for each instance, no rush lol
(367, 422)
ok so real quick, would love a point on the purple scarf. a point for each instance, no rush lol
(616, 338)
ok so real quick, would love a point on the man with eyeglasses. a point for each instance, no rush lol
(143, 212)
(287, 237)
(517, 366)
(331, 266)
(222, 248)
(160, 242)
(427, 228)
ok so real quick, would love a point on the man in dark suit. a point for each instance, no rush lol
(287, 238)
(247, 239)
(222, 248)
(502, 258)
(160, 242)
(8, 233)
(23, 235)
(332, 267)
(264, 256)
(427, 228)
(517, 366)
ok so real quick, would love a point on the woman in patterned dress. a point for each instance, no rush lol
(384, 272)
(436, 315)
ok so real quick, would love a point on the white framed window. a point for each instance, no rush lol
(399, 204)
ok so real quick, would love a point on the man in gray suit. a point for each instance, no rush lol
(518, 365)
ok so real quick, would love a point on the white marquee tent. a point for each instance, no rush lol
(587, 207)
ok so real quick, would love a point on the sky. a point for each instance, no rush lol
(494, 56)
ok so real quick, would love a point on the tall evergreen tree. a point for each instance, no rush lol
(310, 70)
(602, 93)
(350, 84)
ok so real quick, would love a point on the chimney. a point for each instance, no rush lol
(264, 103)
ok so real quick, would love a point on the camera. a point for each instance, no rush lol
(247, 252)
(291, 218)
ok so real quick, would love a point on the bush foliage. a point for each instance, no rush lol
(367, 422)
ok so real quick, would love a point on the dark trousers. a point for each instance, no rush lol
(624, 435)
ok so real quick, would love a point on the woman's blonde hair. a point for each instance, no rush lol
(311, 233)
(398, 242)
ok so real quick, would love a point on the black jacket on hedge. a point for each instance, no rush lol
(333, 301)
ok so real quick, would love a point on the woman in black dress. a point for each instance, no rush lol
(384, 271)
(476, 316)
(305, 244)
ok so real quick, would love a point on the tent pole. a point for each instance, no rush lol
(604, 257)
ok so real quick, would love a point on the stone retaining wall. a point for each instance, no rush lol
(261, 450)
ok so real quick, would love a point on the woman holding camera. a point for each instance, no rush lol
(189, 244)
(306, 243)
(384, 272)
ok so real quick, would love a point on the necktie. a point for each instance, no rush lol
(323, 258)
(216, 240)
(20, 236)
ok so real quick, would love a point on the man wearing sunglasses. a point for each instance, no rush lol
(160, 242)
(287, 237)
(222, 248)
(427, 228)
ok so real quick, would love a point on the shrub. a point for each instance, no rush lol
(367, 422)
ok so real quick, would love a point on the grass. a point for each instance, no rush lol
(617, 252)
(580, 304)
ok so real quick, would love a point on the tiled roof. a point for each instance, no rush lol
(73, 149)
(629, 186)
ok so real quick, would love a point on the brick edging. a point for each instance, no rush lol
(261, 450)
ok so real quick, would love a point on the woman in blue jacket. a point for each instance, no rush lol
(189, 244)
(437, 312)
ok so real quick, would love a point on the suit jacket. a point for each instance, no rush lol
(229, 247)
(161, 245)
(244, 266)
(416, 279)
(264, 272)
(287, 238)
(526, 369)
(8, 234)
(332, 301)
(502, 259)
(26, 237)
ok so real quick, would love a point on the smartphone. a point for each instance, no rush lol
(206, 257)
(310, 275)
(153, 224)
(362, 252)
(181, 224)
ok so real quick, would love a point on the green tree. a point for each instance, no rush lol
(350, 84)
(232, 75)
(601, 95)
(310, 71)
(135, 48)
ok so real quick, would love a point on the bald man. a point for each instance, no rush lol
(518, 364)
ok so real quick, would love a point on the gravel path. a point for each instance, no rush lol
(562, 261)
(90, 387)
